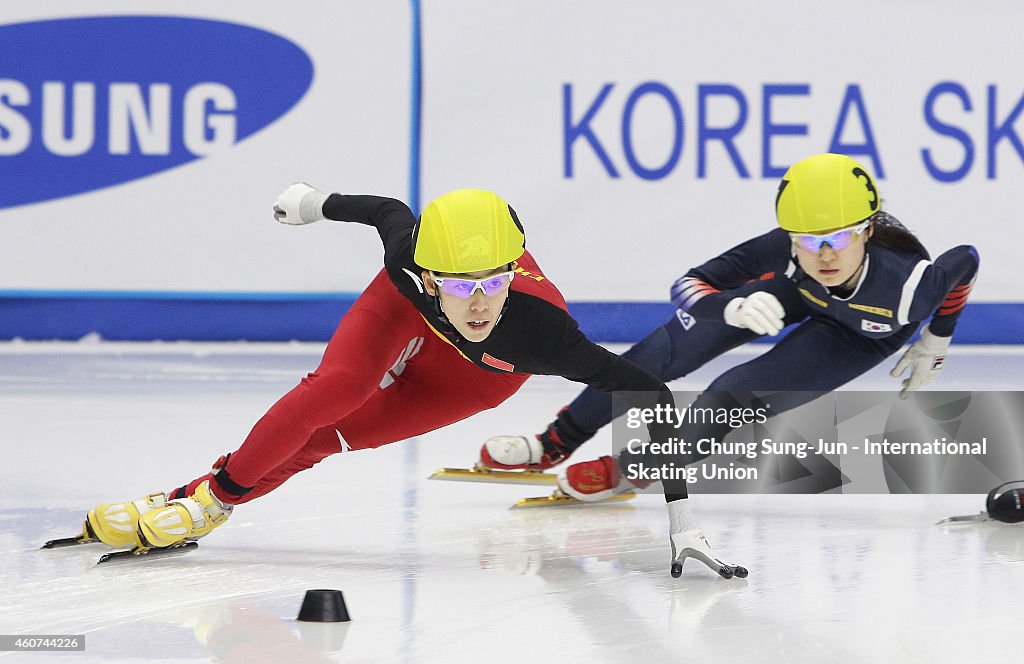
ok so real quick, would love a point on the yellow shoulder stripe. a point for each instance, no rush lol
(873, 310)
(813, 299)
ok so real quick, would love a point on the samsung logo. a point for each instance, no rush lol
(133, 112)
(87, 103)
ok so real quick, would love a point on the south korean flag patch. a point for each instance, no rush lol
(872, 326)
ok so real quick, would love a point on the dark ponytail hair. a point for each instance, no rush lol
(891, 234)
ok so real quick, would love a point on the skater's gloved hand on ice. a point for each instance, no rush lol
(759, 312)
(688, 541)
(925, 358)
(300, 204)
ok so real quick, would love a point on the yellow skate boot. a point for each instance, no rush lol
(117, 524)
(183, 519)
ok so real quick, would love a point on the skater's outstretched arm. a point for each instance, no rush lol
(941, 293)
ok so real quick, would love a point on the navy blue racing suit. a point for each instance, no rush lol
(838, 336)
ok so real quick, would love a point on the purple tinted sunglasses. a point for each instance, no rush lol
(464, 288)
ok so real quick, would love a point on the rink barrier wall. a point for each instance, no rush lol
(151, 316)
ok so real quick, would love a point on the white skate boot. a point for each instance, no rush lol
(538, 452)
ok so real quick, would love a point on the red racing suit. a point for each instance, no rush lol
(396, 368)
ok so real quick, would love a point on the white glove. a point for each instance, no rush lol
(759, 312)
(300, 204)
(925, 359)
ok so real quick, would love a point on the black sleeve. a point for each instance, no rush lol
(394, 222)
(389, 216)
(581, 360)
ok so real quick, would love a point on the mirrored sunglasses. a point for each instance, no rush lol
(839, 240)
(464, 288)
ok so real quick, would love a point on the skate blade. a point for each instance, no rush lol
(69, 541)
(142, 553)
(967, 518)
(495, 476)
(86, 537)
(560, 498)
(722, 569)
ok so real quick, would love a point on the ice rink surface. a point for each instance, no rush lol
(445, 572)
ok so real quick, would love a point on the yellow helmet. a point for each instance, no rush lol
(468, 230)
(825, 192)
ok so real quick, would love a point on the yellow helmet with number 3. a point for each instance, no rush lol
(467, 230)
(825, 192)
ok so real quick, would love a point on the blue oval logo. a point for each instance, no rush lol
(87, 103)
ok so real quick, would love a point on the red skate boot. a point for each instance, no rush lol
(593, 481)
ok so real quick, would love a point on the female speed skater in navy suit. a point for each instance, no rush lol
(853, 279)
